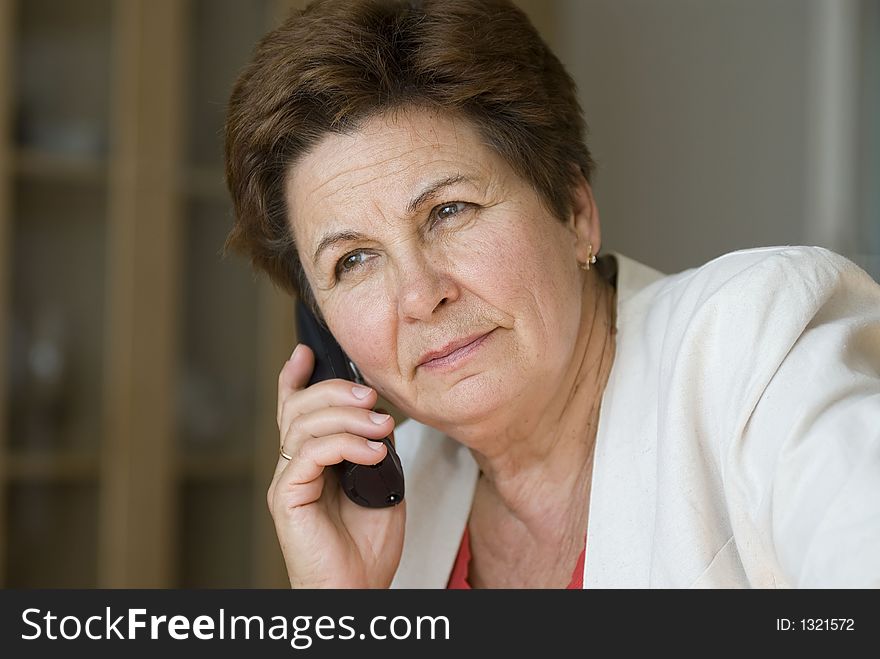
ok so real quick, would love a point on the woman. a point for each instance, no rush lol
(417, 172)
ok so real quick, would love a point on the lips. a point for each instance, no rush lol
(453, 350)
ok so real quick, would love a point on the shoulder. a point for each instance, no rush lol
(773, 289)
(763, 273)
(779, 347)
(740, 393)
(712, 338)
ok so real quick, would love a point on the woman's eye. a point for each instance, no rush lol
(350, 262)
(446, 211)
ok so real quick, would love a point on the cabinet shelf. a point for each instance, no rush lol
(212, 467)
(41, 164)
(51, 467)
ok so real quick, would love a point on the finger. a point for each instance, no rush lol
(309, 461)
(334, 420)
(301, 495)
(382, 410)
(329, 393)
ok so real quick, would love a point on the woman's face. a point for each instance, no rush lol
(436, 267)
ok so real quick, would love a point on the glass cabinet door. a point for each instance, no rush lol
(217, 366)
(56, 228)
(137, 361)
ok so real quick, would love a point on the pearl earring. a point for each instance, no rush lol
(591, 258)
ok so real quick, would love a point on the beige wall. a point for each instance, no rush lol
(721, 125)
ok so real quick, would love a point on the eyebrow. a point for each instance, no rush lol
(336, 237)
(431, 191)
(428, 193)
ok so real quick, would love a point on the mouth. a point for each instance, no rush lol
(453, 353)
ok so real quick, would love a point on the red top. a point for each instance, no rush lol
(458, 580)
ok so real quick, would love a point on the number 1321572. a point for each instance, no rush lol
(816, 624)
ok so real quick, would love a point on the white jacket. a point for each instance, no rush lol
(738, 441)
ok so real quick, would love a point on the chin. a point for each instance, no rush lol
(469, 401)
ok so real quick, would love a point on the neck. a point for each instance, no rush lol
(542, 452)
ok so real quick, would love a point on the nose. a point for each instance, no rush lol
(424, 287)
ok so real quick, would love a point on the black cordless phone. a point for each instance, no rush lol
(373, 486)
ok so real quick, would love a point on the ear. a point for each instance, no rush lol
(584, 219)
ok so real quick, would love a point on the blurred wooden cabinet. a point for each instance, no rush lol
(137, 422)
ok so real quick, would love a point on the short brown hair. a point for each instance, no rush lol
(337, 63)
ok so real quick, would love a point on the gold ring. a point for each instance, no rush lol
(283, 454)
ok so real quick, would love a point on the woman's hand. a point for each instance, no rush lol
(327, 540)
